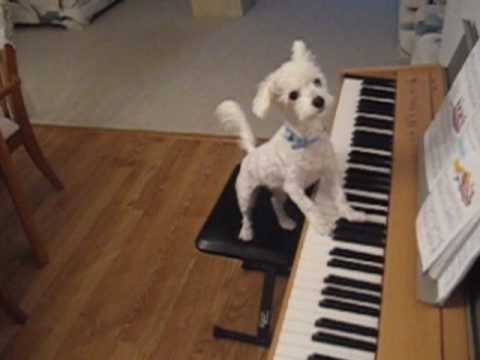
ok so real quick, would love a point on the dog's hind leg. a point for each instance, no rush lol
(246, 200)
(278, 203)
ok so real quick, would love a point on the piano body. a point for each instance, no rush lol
(386, 321)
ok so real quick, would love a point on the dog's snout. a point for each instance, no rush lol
(318, 102)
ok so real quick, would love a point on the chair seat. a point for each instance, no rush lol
(7, 127)
(271, 245)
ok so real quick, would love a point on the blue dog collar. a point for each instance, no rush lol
(296, 141)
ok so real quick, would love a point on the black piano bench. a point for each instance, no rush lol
(271, 251)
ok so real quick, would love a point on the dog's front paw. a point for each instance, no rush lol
(354, 215)
(322, 229)
(246, 233)
(287, 223)
(322, 224)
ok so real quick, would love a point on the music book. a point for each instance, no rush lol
(448, 223)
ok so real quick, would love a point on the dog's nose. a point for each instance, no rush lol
(318, 102)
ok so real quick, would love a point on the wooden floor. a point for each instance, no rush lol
(125, 280)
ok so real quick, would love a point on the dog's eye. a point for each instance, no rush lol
(317, 82)
(293, 95)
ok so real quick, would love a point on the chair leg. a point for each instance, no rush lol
(12, 309)
(25, 213)
(29, 140)
(36, 154)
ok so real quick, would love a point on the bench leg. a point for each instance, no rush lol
(252, 266)
(263, 336)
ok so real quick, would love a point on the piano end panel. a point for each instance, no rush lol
(454, 328)
(408, 328)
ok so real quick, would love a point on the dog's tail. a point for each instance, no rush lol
(233, 117)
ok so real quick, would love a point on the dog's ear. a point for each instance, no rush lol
(263, 99)
(300, 51)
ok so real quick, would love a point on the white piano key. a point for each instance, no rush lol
(308, 313)
(369, 194)
(379, 87)
(372, 250)
(311, 299)
(374, 130)
(291, 343)
(371, 151)
(343, 125)
(377, 219)
(374, 169)
(379, 99)
(376, 116)
(307, 330)
(369, 206)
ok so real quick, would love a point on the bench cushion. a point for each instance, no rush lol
(272, 245)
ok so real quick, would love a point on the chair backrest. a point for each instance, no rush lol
(11, 99)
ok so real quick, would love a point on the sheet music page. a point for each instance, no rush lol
(451, 250)
(455, 130)
(460, 263)
(450, 207)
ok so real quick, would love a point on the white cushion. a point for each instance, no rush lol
(7, 127)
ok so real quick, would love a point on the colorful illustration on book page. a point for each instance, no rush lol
(465, 183)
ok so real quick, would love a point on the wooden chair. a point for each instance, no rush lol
(16, 130)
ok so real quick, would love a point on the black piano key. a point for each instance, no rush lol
(357, 154)
(373, 174)
(365, 231)
(366, 200)
(346, 327)
(365, 226)
(382, 137)
(356, 284)
(376, 188)
(367, 143)
(368, 140)
(359, 232)
(351, 295)
(353, 183)
(349, 307)
(374, 235)
(388, 83)
(351, 254)
(371, 211)
(373, 123)
(384, 94)
(364, 179)
(376, 107)
(317, 356)
(331, 339)
(355, 266)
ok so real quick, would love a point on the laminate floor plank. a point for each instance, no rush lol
(125, 280)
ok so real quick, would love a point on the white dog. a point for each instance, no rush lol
(299, 154)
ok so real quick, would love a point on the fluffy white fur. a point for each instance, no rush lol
(299, 88)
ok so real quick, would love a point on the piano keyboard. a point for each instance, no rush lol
(334, 307)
